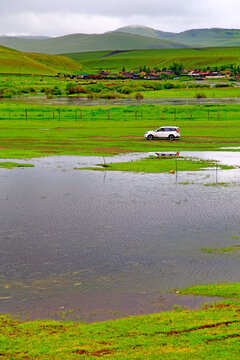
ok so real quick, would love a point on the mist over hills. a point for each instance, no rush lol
(131, 37)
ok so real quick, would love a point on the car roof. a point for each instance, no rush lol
(168, 126)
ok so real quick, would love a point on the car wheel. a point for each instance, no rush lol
(150, 137)
(171, 137)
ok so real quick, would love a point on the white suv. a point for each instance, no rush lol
(164, 132)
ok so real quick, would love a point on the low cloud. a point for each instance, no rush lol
(59, 17)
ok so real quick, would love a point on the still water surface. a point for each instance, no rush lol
(112, 241)
(127, 101)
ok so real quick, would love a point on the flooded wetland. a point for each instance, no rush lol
(93, 245)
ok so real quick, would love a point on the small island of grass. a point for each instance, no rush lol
(11, 165)
(156, 164)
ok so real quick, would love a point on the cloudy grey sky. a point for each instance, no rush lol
(60, 17)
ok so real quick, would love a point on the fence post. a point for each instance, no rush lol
(26, 115)
(53, 114)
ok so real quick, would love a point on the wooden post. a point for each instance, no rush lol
(191, 115)
(26, 115)
(53, 114)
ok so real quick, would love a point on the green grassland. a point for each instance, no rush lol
(12, 61)
(40, 85)
(133, 59)
(155, 164)
(212, 332)
(30, 131)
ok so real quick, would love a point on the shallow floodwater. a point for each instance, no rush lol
(112, 242)
(81, 101)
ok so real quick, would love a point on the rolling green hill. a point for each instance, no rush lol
(83, 43)
(192, 38)
(13, 61)
(132, 60)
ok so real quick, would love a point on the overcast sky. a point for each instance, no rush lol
(60, 17)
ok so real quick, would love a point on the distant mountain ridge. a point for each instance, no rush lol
(212, 37)
(131, 37)
(85, 42)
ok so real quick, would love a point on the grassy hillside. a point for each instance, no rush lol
(12, 61)
(192, 38)
(208, 37)
(83, 43)
(132, 60)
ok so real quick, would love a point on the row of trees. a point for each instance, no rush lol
(177, 68)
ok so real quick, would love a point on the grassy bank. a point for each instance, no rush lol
(133, 59)
(209, 333)
(33, 131)
(154, 164)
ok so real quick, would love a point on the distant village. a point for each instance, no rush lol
(152, 74)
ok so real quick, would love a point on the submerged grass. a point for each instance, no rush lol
(209, 333)
(231, 249)
(11, 165)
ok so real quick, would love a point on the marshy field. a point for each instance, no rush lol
(108, 250)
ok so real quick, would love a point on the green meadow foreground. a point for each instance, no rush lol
(211, 332)
(33, 131)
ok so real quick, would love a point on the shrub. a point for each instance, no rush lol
(168, 85)
(139, 96)
(200, 96)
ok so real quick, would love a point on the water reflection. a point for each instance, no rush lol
(81, 101)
